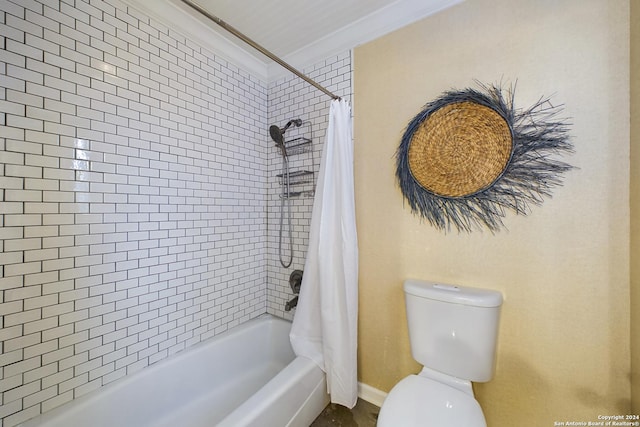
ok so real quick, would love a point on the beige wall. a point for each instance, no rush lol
(635, 207)
(563, 269)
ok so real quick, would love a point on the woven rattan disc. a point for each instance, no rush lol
(460, 149)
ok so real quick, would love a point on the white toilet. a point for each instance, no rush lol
(453, 332)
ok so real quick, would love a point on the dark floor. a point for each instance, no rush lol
(364, 414)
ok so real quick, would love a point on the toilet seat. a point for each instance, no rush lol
(419, 401)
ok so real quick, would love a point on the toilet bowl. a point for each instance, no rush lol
(453, 333)
(421, 401)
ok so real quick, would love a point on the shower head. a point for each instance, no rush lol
(277, 134)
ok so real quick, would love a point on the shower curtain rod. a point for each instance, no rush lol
(256, 46)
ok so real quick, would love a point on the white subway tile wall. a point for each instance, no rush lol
(139, 203)
(292, 98)
(133, 198)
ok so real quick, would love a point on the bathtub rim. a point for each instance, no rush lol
(112, 387)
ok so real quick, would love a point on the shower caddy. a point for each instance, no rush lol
(301, 177)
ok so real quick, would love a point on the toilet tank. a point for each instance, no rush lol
(453, 329)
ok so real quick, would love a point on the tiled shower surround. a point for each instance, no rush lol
(288, 99)
(138, 197)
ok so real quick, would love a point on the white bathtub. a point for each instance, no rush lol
(247, 376)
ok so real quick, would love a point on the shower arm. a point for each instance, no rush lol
(256, 46)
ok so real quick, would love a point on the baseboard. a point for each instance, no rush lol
(371, 394)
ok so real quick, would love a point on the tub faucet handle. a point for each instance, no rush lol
(291, 304)
(295, 281)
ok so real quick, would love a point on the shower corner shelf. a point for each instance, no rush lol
(298, 146)
(297, 177)
(304, 179)
(296, 194)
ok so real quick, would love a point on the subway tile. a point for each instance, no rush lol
(41, 184)
(15, 83)
(40, 208)
(57, 355)
(22, 268)
(91, 93)
(38, 230)
(75, 13)
(66, 199)
(10, 283)
(57, 377)
(41, 255)
(19, 417)
(13, 146)
(21, 391)
(40, 349)
(9, 409)
(60, 129)
(25, 50)
(61, 107)
(56, 401)
(40, 42)
(12, 58)
(9, 332)
(32, 5)
(62, 41)
(25, 122)
(12, 245)
(40, 325)
(16, 344)
(87, 388)
(12, 108)
(150, 207)
(12, 133)
(57, 242)
(12, 8)
(43, 114)
(93, 10)
(73, 383)
(24, 318)
(64, 330)
(18, 294)
(40, 396)
(11, 182)
(56, 219)
(39, 302)
(71, 340)
(40, 19)
(49, 278)
(9, 383)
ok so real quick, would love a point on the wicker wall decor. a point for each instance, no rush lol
(470, 156)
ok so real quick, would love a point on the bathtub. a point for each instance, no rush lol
(247, 376)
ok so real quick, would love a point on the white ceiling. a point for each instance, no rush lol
(285, 26)
(300, 32)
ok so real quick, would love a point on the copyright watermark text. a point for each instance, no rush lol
(603, 420)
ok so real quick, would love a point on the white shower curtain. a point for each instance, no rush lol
(325, 323)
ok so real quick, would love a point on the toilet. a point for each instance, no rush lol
(453, 332)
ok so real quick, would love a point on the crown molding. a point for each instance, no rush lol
(179, 17)
(370, 27)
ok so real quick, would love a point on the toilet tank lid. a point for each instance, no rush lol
(453, 293)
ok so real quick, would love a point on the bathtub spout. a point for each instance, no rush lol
(291, 304)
